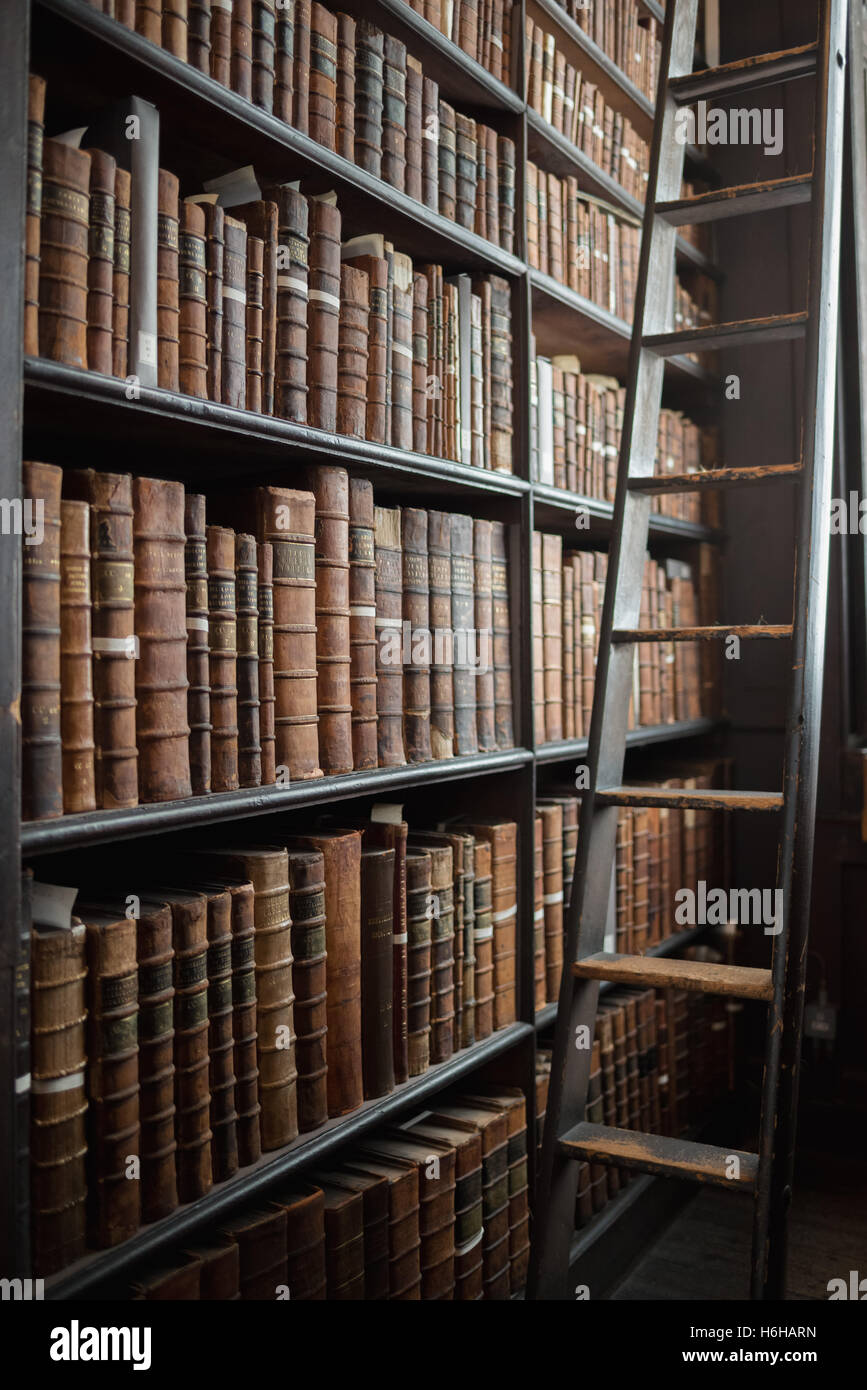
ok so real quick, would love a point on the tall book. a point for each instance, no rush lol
(352, 352)
(502, 638)
(444, 1035)
(367, 254)
(199, 34)
(168, 307)
(322, 96)
(307, 909)
(223, 657)
(436, 1221)
(121, 272)
(394, 112)
(247, 672)
(241, 61)
(483, 938)
(221, 1047)
(63, 242)
(193, 302)
(377, 985)
(345, 133)
(323, 314)
(418, 953)
(369, 59)
(100, 262)
(416, 612)
(404, 1244)
(264, 25)
(198, 674)
(35, 139)
(389, 648)
(468, 1228)
(261, 220)
(233, 389)
(465, 637)
(76, 659)
(388, 830)
(330, 487)
(502, 837)
(254, 320)
(301, 61)
(373, 1191)
(41, 750)
(262, 1259)
(362, 624)
(401, 378)
(483, 593)
(442, 657)
(265, 600)
(305, 1241)
(155, 955)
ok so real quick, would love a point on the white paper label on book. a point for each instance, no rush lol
(387, 812)
(147, 348)
(52, 905)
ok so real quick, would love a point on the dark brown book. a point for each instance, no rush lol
(369, 53)
(241, 62)
(373, 1190)
(234, 353)
(169, 1284)
(394, 112)
(416, 612)
(352, 352)
(345, 138)
(404, 1245)
(430, 144)
(255, 322)
(284, 66)
(483, 939)
(193, 300)
(413, 144)
(221, 40)
(502, 639)
(362, 624)
(344, 1241)
(465, 636)
(168, 308)
(323, 315)
(420, 380)
(492, 1127)
(447, 161)
(301, 67)
(156, 1032)
(506, 187)
(468, 1211)
(261, 221)
(162, 730)
(435, 1161)
(305, 1241)
(484, 611)
(76, 659)
(221, 1046)
(246, 585)
(174, 28)
(42, 766)
(401, 353)
(418, 950)
(442, 657)
(120, 274)
(465, 170)
(198, 673)
(386, 830)
(330, 487)
(322, 95)
(442, 930)
(389, 648)
(222, 657)
(265, 593)
(113, 619)
(199, 34)
(377, 913)
(261, 1240)
(376, 269)
(290, 386)
(502, 837)
(502, 392)
(100, 262)
(264, 35)
(63, 238)
(307, 909)
(35, 138)
(215, 237)
(220, 1272)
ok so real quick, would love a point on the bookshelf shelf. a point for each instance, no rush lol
(636, 738)
(555, 508)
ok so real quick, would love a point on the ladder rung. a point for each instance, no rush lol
(746, 74)
(657, 1153)
(775, 328)
(739, 201)
(685, 799)
(661, 972)
(716, 477)
(767, 631)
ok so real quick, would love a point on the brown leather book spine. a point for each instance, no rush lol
(221, 40)
(35, 138)
(447, 161)
(419, 362)
(249, 743)
(222, 661)
(156, 1033)
(286, 519)
(465, 169)
(284, 66)
(323, 315)
(234, 357)
(369, 48)
(352, 353)
(42, 765)
(389, 637)
(168, 305)
(467, 891)
(430, 175)
(120, 273)
(401, 354)
(418, 952)
(198, 674)
(255, 322)
(394, 112)
(307, 909)
(114, 1203)
(192, 1061)
(221, 1067)
(241, 64)
(261, 1240)
(417, 659)
(199, 34)
(290, 387)
(413, 144)
(215, 235)
(261, 221)
(466, 644)
(442, 658)
(506, 187)
(244, 1021)
(301, 73)
(330, 487)
(376, 268)
(174, 28)
(264, 35)
(162, 730)
(100, 262)
(345, 139)
(63, 239)
(265, 595)
(540, 987)
(113, 620)
(393, 835)
(149, 20)
(552, 902)
(76, 659)
(193, 303)
(502, 837)
(219, 1275)
(305, 1242)
(377, 913)
(362, 624)
(502, 641)
(442, 1007)
(322, 96)
(58, 1097)
(182, 1284)
(484, 940)
(484, 611)
(502, 392)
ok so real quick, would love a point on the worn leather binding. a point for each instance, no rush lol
(156, 1064)
(362, 624)
(241, 63)
(305, 1241)
(442, 662)
(234, 356)
(168, 307)
(464, 851)
(307, 909)
(373, 1191)
(301, 72)
(345, 107)
(198, 674)
(323, 315)
(290, 387)
(148, 20)
(436, 1220)
(180, 1283)
(419, 362)
(341, 851)
(63, 238)
(430, 176)
(261, 1240)
(442, 928)
(466, 644)
(193, 302)
(465, 170)
(369, 51)
(174, 28)
(114, 1131)
(264, 26)
(322, 95)
(501, 375)
(221, 1071)
(502, 640)
(552, 859)
(222, 657)
(404, 1245)
(261, 221)
(330, 487)
(377, 951)
(483, 937)
(352, 352)
(492, 1126)
(344, 1242)
(76, 659)
(219, 1274)
(249, 744)
(35, 137)
(447, 161)
(392, 834)
(412, 183)
(376, 269)
(540, 988)
(389, 637)
(461, 849)
(284, 66)
(512, 1102)
(215, 235)
(113, 618)
(401, 381)
(265, 592)
(100, 262)
(394, 112)
(58, 1098)
(254, 322)
(506, 179)
(502, 837)
(42, 780)
(418, 951)
(120, 273)
(416, 612)
(199, 34)
(484, 621)
(221, 40)
(467, 1146)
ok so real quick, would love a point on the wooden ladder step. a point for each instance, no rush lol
(716, 477)
(745, 75)
(756, 631)
(663, 972)
(775, 328)
(682, 798)
(657, 1153)
(738, 201)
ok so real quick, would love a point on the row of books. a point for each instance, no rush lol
(576, 424)
(435, 1209)
(568, 591)
(482, 28)
(626, 32)
(272, 988)
(165, 657)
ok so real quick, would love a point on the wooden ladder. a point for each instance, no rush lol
(567, 1137)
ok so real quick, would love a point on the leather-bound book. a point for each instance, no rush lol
(63, 239)
(221, 40)
(234, 354)
(442, 664)
(58, 1096)
(221, 1048)
(389, 650)
(465, 170)
(377, 912)
(323, 315)
(376, 269)
(451, 916)
(483, 936)
(35, 137)
(492, 1127)
(100, 262)
(401, 354)
(394, 112)
(42, 766)
(261, 221)
(149, 20)
(322, 95)
(436, 1219)
(156, 1032)
(241, 63)
(502, 638)
(178, 1283)
(387, 830)
(215, 237)
(193, 300)
(246, 584)
(506, 186)
(418, 954)
(301, 67)
(220, 1272)
(416, 611)
(174, 35)
(343, 1210)
(261, 1240)
(114, 1202)
(330, 487)
(492, 177)
(467, 1145)
(373, 1191)
(442, 929)
(552, 635)
(113, 619)
(168, 307)
(447, 161)
(284, 65)
(345, 136)
(413, 141)
(352, 352)
(552, 850)
(120, 273)
(369, 57)
(264, 27)
(341, 851)
(222, 658)
(404, 1244)
(198, 674)
(484, 613)
(540, 987)
(290, 385)
(502, 837)
(307, 910)
(502, 392)
(254, 322)
(265, 598)
(199, 34)
(419, 362)
(466, 650)
(305, 1241)
(430, 174)
(160, 620)
(76, 659)
(362, 624)
(467, 1035)
(511, 1102)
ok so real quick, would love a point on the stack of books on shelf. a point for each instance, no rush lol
(626, 32)
(484, 32)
